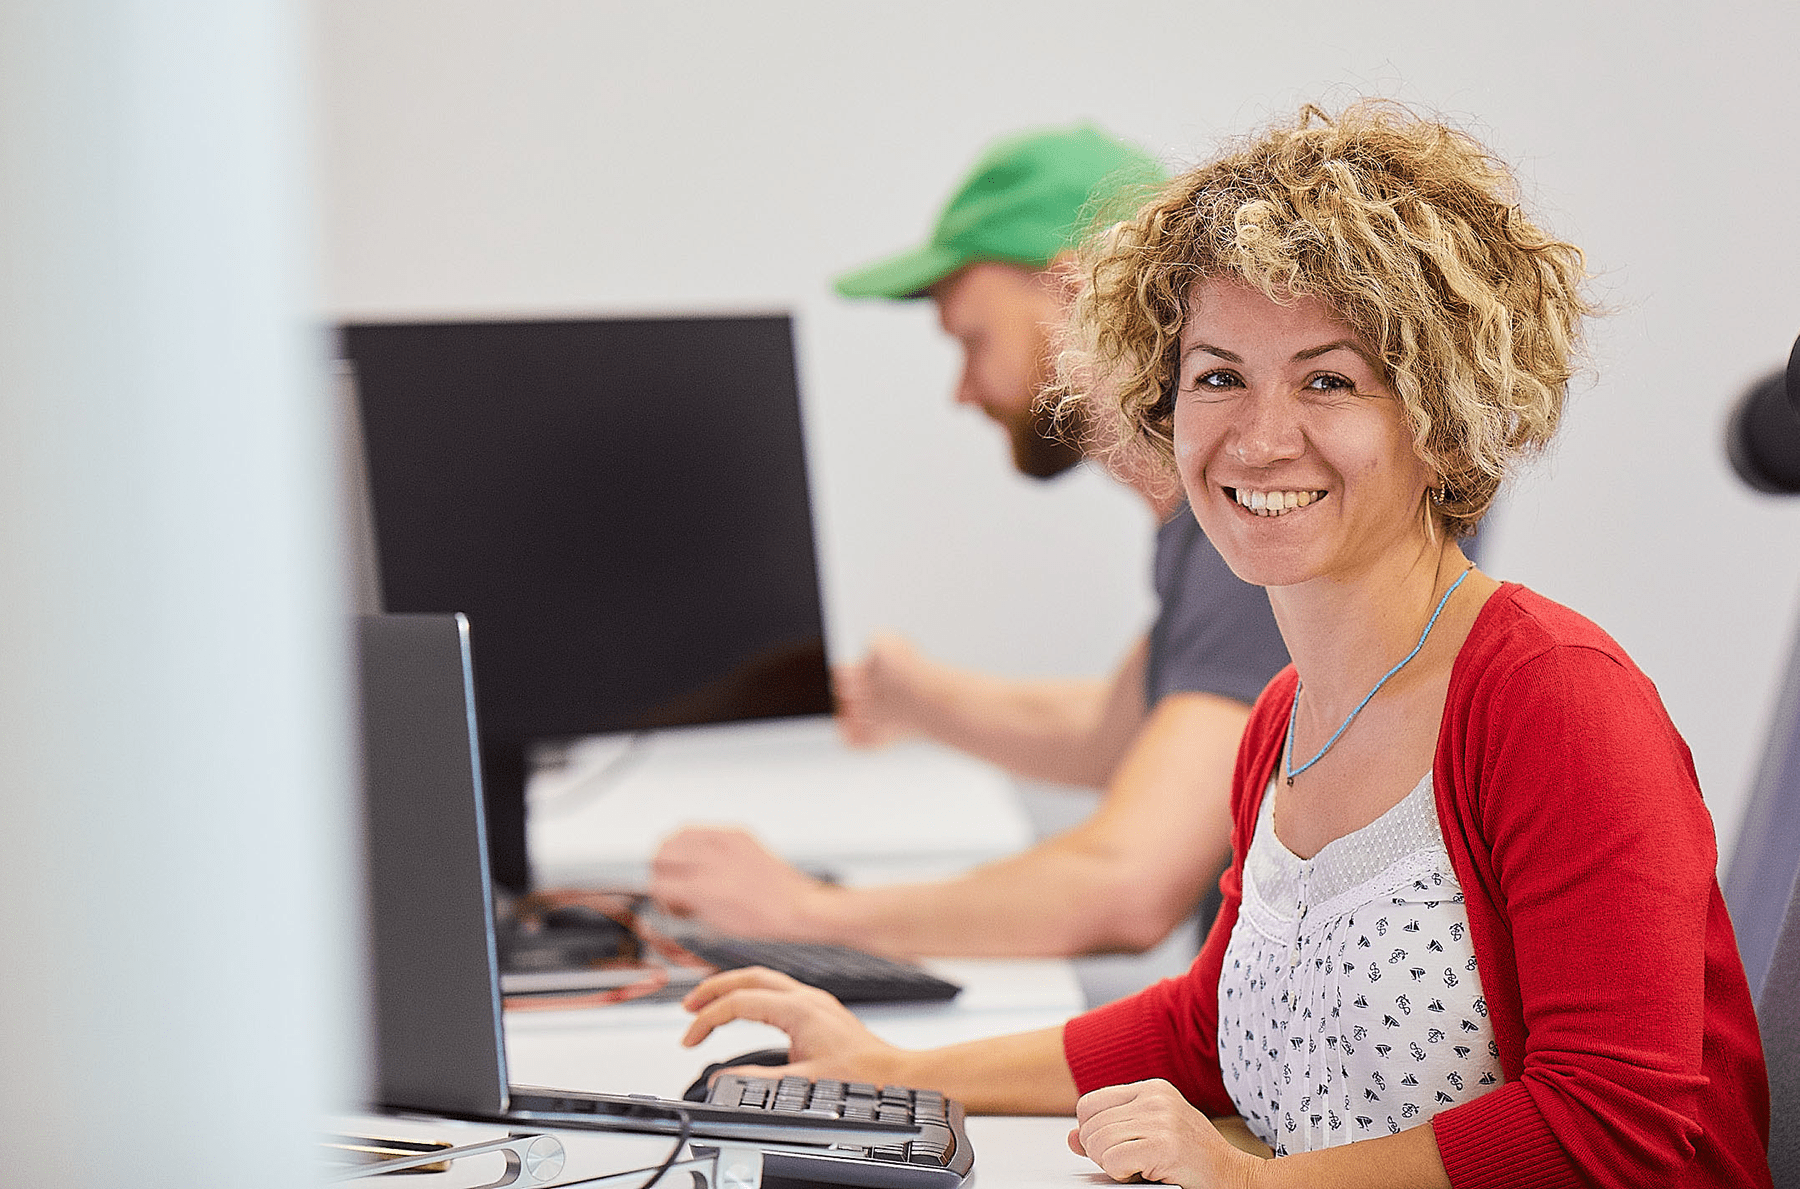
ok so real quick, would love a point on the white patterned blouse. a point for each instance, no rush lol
(1349, 1003)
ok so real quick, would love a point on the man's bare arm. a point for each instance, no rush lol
(1071, 731)
(1117, 882)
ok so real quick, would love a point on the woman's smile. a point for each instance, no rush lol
(1272, 503)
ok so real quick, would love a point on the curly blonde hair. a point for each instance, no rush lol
(1409, 229)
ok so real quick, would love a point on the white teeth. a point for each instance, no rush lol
(1275, 503)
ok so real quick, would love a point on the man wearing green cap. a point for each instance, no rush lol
(1160, 735)
(992, 267)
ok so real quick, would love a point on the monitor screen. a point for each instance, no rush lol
(620, 508)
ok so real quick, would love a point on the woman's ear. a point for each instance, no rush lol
(1437, 494)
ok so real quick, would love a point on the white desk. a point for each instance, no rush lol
(634, 1048)
(813, 800)
(636, 1045)
(911, 811)
(588, 1153)
(906, 811)
(1011, 1153)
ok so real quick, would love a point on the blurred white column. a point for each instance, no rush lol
(175, 1002)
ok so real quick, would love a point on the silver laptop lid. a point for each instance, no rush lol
(439, 1042)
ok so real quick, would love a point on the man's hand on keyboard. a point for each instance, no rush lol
(824, 1039)
(734, 883)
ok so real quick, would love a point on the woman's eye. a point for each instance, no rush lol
(1326, 382)
(1215, 381)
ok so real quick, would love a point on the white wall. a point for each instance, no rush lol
(503, 158)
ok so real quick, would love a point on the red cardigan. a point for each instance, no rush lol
(1573, 817)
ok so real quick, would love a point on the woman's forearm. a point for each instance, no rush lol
(1021, 1074)
(1406, 1160)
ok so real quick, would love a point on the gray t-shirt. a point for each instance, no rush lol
(1213, 633)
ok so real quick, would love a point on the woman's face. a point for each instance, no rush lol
(1293, 449)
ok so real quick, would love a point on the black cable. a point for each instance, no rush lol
(683, 1134)
(681, 1139)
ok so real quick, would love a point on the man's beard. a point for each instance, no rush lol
(1042, 445)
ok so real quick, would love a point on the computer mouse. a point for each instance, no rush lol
(697, 1091)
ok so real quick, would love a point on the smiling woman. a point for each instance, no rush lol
(1485, 896)
(1412, 235)
(1476, 938)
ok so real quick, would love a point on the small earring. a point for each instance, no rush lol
(1442, 494)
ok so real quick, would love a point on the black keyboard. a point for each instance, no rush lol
(853, 976)
(643, 1113)
(939, 1159)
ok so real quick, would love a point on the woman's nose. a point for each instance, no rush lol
(1268, 430)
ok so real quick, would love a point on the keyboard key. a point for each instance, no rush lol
(853, 976)
(938, 1159)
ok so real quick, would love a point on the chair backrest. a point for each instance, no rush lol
(1768, 847)
(1778, 1014)
(1763, 892)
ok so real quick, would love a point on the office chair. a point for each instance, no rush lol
(1762, 889)
(1763, 894)
(1768, 848)
(1778, 1015)
(1772, 836)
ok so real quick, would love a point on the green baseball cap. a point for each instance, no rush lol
(1028, 198)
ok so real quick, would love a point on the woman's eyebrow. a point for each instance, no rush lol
(1299, 356)
(1338, 345)
(1222, 353)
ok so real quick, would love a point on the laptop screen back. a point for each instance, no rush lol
(438, 1040)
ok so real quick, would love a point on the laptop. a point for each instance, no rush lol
(440, 1044)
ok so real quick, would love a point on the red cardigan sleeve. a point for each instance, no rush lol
(1170, 1030)
(1571, 806)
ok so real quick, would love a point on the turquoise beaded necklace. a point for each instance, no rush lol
(1287, 751)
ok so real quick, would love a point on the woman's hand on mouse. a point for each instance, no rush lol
(825, 1040)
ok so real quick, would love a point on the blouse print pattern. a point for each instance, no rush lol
(1350, 1005)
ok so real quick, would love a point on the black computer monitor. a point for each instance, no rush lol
(620, 508)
